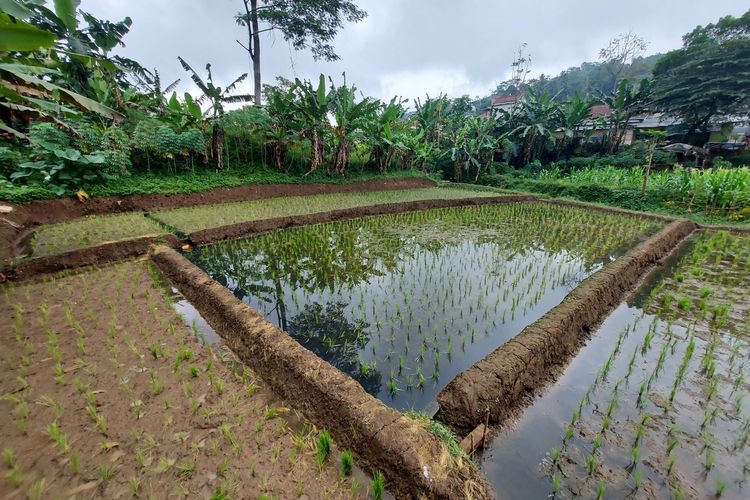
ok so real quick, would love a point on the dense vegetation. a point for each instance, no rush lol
(76, 118)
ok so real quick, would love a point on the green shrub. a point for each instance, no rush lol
(9, 160)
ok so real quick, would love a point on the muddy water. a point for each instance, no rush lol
(404, 303)
(634, 425)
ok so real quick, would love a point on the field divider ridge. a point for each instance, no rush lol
(501, 382)
(250, 228)
(88, 256)
(415, 463)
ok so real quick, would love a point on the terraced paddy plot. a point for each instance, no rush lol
(657, 403)
(54, 239)
(105, 393)
(405, 302)
(197, 218)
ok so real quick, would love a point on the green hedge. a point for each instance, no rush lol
(188, 182)
(655, 201)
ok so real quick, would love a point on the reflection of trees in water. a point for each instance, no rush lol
(345, 254)
(328, 333)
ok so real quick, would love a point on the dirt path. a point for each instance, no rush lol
(108, 394)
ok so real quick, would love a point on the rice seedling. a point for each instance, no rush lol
(107, 472)
(56, 435)
(14, 477)
(134, 484)
(378, 486)
(185, 469)
(721, 485)
(590, 464)
(36, 489)
(637, 479)
(556, 484)
(157, 386)
(9, 457)
(600, 489)
(322, 448)
(165, 464)
(346, 464)
(218, 385)
(73, 463)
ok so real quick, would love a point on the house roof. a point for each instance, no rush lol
(500, 100)
(600, 110)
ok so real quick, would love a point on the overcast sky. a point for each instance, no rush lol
(408, 47)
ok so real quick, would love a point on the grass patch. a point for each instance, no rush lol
(443, 433)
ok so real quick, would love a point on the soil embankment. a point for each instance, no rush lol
(415, 462)
(501, 382)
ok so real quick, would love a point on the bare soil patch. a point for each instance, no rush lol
(107, 393)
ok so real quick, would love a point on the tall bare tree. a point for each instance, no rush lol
(619, 53)
(306, 24)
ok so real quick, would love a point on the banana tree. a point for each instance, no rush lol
(539, 115)
(411, 147)
(474, 147)
(312, 104)
(350, 116)
(34, 88)
(281, 125)
(431, 116)
(381, 132)
(216, 97)
(626, 102)
(573, 113)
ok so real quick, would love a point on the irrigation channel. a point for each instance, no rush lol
(403, 303)
(657, 403)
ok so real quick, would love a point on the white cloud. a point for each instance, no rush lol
(433, 81)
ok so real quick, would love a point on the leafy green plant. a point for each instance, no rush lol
(346, 464)
(378, 485)
(322, 447)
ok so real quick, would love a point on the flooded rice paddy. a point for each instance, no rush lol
(656, 405)
(403, 303)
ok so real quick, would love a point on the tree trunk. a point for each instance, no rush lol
(217, 145)
(253, 44)
(317, 152)
(255, 55)
(529, 149)
(646, 172)
(342, 157)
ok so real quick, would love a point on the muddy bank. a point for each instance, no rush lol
(101, 254)
(129, 248)
(500, 382)
(415, 463)
(24, 217)
(244, 229)
(51, 211)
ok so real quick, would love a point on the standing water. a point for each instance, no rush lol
(403, 303)
(656, 405)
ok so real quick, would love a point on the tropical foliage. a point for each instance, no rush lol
(74, 116)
